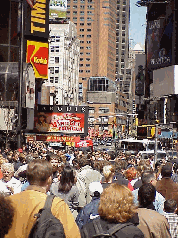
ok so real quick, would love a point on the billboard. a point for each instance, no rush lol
(37, 55)
(159, 43)
(29, 80)
(61, 119)
(57, 9)
(37, 20)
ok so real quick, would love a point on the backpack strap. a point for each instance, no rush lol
(49, 200)
(118, 227)
(98, 229)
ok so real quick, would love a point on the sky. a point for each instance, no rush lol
(137, 28)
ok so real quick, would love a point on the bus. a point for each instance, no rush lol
(134, 146)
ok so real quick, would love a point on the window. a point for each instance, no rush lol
(89, 0)
(82, 7)
(81, 47)
(51, 79)
(89, 12)
(88, 53)
(88, 42)
(57, 38)
(56, 48)
(87, 71)
(88, 59)
(52, 48)
(88, 36)
(75, 12)
(88, 48)
(80, 70)
(81, 53)
(87, 65)
(56, 59)
(89, 6)
(56, 79)
(74, 1)
(103, 110)
(88, 23)
(89, 19)
(81, 59)
(51, 60)
(75, 6)
(80, 65)
(56, 70)
(81, 42)
(81, 36)
(75, 18)
(81, 24)
(81, 18)
(123, 28)
(51, 70)
(81, 12)
(81, 29)
(88, 29)
(82, 1)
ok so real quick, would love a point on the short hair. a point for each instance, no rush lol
(107, 171)
(38, 171)
(8, 166)
(147, 176)
(170, 206)
(131, 173)
(166, 170)
(6, 215)
(116, 204)
(146, 194)
(51, 156)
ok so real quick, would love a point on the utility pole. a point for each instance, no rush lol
(156, 139)
(19, 127)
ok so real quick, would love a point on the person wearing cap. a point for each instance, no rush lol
(90, 211)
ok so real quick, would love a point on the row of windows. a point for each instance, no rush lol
(88, 42)
(88, 59)
(54, 80)
(87, 65)
(81, 7)
(81, 18)
(86, 71)
(88, 36)
(83, 29)
(87, 47)
(81, 12)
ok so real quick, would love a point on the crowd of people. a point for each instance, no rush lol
(95, 192)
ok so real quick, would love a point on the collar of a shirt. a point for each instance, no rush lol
(36, 188)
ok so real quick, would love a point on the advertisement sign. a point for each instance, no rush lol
(29, 78)
(57, 9)
(54, 138)
(37, 20)
(37, 55)
(84, 143)
(63, 119)
(159, 42)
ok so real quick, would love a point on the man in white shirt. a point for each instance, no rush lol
(8, 184)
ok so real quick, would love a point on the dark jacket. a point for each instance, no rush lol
(131, 231)
(88, 213)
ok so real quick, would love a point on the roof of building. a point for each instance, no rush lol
(137, 47)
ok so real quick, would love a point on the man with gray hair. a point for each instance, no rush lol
(8, 184)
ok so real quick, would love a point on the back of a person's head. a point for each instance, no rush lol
(67, 179)
(116, 204)
(38, 171)
(108, 170)
(146, 195)
(6, 215)
(166, 170)
(147, 176)
(170, 206)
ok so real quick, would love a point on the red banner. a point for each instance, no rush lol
(84, 143)
(54, 138)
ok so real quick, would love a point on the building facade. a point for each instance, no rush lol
(63, 74)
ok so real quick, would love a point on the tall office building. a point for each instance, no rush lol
(96, 28)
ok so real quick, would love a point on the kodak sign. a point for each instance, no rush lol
(37, 55)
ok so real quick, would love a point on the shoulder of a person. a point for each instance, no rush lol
(149, 213)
